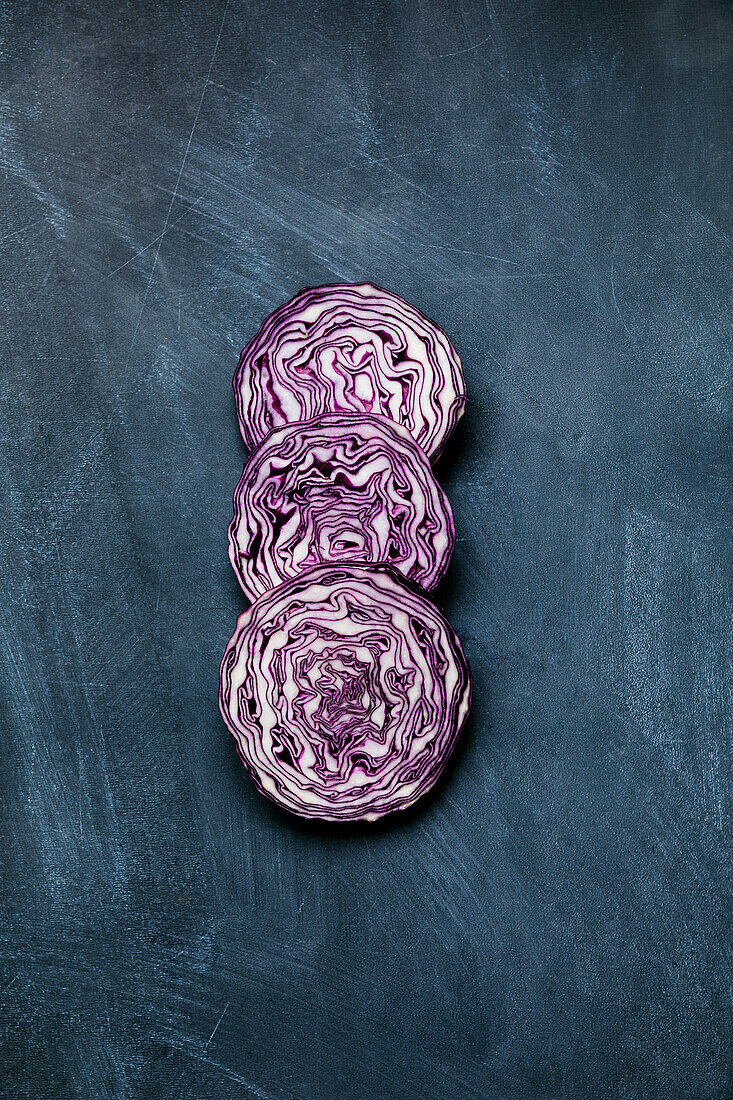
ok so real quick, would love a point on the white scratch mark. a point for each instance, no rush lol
(466, 49)
(226, 1006)
(467, 252)
(178, 184)
(613, 295)
(150, 244)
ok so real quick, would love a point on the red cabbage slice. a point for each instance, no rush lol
(340, 487)
(345, 691)
(346, 348)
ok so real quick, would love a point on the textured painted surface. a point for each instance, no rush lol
(552, 182)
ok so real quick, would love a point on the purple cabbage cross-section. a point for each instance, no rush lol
(340, 487)
(348, 349)
(344, 691)
(343, 687)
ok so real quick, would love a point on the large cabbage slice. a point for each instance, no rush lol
(340, 487)
(345, 692)
(349, 348)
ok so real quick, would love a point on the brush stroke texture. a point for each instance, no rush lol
(552, 183)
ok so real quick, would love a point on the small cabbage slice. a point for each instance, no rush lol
(340, 487)
(347, 348)
(345, 691)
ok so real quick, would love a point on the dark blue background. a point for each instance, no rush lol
(552, 182)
